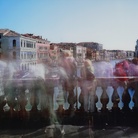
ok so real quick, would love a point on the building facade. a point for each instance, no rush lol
(17, 48)
(42, 47)
(92, 45)
(79, 52)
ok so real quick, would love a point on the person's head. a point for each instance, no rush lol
(89, 70)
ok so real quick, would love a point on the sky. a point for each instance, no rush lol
(113, 23)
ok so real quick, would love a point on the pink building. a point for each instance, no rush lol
(42, 48)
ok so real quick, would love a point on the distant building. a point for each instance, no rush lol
(92, 45)
(136, 49)
(66, 46)
(130, 54)
(16, 47)
(42, 47)
(26, 50)
(77, 50)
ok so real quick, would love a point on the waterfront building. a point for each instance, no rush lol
(42, 48)
(130, 54)
(17, 48)
(24, 50)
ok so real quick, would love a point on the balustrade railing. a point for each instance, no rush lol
(37, 102)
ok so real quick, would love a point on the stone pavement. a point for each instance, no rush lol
(72, 132)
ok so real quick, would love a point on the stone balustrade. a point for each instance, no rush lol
(38, 102)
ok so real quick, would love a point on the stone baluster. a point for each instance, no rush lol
(34, 99)
(81, 100)
(16, 104)
(2, 103)
(42, 92)
(92, 104)
(115, 99)
(71, 98)
(116, 116)
(135, 97)
(126, 99)
(134, 87)
(104, 99)
(39, 101)
(126, 110)
(17, 107)
(22, 102)
(28, 106)
(6, 118)
(9, 98)
(103, 117)
(93, 97)
(48, 109)
(34, 103)
(60, 99)
(6, 106)
(96, 100)
(11, 102)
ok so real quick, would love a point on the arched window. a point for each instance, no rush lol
(14, 43)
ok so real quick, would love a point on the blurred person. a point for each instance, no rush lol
(88, 85)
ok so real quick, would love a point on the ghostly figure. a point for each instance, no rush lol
(67, 65)
(88, 85)
(68, 62)
(66, 71)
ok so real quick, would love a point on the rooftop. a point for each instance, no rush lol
(7, 32)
